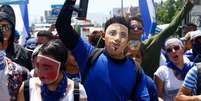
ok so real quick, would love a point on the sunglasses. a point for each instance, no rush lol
(136, 27)
(5, 27)
(176, 48)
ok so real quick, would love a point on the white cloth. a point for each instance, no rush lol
(11, 77)
(4, 94)
(162, 59)
(171, 83)
(34, 90)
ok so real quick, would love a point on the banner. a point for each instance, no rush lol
(14, 1)
(148, 15)
(56, 9)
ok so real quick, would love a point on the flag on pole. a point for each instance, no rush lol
(148, 16)
(22, 22)
(22, 18)
(14, 1)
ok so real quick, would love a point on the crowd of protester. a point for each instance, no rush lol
(114, 64)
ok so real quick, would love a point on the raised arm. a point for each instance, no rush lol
(178, 19)
(164, 34)
(63, 25)
(72, 40)
(153, 45)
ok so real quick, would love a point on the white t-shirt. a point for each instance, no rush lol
(171, 83)
(34, 90)
(162, 59)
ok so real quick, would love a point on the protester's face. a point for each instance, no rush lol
(188, 29)
(137, 28)
(188, 44)
(175, 53)
(42, 39)
(116, 39)
(47, 69)
(5, 33)
(185, 31)
(134, 50)
(192, 28)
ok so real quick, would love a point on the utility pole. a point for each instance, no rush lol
(83, 6)
(122, 8)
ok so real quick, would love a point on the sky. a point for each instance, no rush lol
(36, 7)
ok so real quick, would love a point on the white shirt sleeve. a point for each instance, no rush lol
(82, 91)
(161, 72)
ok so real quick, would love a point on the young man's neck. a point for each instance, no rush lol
(135, 37)
(117, 57)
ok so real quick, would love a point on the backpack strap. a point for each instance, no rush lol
(198, 91)
(76, 91)
(26, 90)
(91, 59)
(137, 80)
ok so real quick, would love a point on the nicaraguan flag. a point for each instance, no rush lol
(22, 22)
(148, 16)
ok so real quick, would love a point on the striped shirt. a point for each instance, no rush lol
(190, 80)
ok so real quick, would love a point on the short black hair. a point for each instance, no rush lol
(96, 39)
(45, 33)
(136, 18)
(117, 19)
(190, 24)
(57, 50)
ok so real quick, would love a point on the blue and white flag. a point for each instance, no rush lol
(148, 16)
(14, 1)
(22, 22)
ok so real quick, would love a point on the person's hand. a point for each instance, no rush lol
(198, 98)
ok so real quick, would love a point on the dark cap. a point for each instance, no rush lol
(45, 33)
(184, 26)
(3, 16)
(10, 13)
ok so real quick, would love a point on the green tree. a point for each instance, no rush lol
(166, 11)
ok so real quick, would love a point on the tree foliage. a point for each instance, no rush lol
(167, 10)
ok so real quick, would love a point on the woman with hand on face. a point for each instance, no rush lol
(169, 77)
(52, 84)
